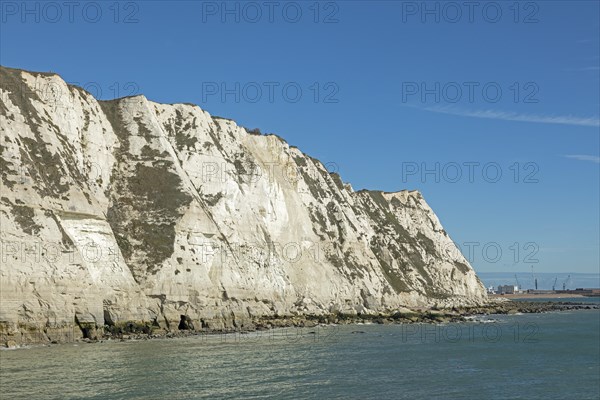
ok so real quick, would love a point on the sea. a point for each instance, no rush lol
(552, 355)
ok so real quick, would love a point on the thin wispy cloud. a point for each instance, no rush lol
(584, 157)
(583, 69)
(512, 116)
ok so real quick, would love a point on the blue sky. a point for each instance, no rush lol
(389, 89)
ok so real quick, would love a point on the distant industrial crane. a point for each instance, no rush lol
(517, 280)
(534, 278)
(554, 284)
(566, 282)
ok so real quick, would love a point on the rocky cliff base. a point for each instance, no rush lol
(145, 331)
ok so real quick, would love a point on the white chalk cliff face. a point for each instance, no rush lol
(130, 211)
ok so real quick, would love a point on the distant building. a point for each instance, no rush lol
(508, 289)
(491, 290)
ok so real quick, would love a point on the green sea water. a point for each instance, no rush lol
(532, 356)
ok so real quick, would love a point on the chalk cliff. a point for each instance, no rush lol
(133, 212)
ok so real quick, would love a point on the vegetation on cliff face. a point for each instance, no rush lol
(146, 200)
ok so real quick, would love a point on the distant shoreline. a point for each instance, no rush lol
(536, 295)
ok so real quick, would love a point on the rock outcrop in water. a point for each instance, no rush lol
(133, 213)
